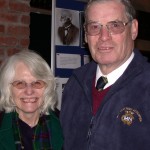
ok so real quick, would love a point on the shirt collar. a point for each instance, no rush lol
(114, 75)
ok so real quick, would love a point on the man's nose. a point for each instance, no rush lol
(104, 33)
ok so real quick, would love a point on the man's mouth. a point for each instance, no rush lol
(105, 48)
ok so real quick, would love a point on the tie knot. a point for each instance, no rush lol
(101, 82)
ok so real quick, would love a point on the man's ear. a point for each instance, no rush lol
(134, 29)
(85, 38)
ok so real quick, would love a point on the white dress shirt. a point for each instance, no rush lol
(114, 75)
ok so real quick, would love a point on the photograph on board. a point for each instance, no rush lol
(67, 27)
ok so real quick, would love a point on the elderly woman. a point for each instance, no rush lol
(27, 104)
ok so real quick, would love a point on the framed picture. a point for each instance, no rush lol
(82, 33)
(67, 27)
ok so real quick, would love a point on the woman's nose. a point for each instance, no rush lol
(29, 89)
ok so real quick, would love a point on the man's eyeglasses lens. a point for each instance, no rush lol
(114, 27)
(22, 84)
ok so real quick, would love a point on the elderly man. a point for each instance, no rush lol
(115, 113)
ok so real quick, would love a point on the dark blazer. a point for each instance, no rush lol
(71, 35)
(6, 132)
(122, 122)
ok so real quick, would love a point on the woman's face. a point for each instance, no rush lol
(28, 100)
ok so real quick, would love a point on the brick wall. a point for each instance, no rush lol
(14, 26)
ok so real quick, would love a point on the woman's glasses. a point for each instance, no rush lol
(114, 27)
(22, 84)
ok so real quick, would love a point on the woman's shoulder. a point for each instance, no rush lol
(56, 130)
(54, 123)
(55, 112)
(1, 116)
(5, 119)
(54, 115)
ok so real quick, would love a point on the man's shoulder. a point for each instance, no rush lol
(87, 67)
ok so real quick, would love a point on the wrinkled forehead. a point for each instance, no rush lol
(105, 5)
(106, 11)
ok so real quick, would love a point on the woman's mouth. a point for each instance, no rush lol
(29, 100)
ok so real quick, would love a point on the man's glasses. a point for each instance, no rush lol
(22, 84)
(114, 27)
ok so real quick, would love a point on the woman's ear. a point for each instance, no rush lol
(134, 29)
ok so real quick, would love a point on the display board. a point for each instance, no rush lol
(71, 50)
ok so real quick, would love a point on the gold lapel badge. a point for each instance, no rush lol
(127, 115)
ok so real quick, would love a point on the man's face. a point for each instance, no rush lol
(65, 18)
(107, 49)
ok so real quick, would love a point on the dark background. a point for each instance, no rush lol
(40, 35)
